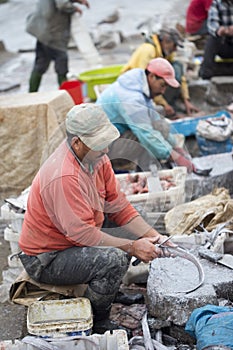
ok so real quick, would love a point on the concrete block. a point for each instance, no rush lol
(220, 91)
(220, 176)
(167, 279)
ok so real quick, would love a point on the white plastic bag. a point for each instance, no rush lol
(216, 128)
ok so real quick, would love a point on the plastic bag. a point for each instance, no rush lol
(215, 128)
(211, 325)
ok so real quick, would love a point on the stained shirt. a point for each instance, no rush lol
(67, 204)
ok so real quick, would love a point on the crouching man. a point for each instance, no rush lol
(62, 239)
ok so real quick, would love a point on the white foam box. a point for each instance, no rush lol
(160, 201)
(15, 219)
(13, 238)
(14, 261)
(59, 318)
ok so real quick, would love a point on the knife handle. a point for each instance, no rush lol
(136, 262)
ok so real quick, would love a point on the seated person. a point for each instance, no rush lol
(196, 17)
(219, 41)
(164, 45)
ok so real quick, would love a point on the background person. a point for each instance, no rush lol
(128, 102)
(62, 238)
(219, 41)
(196, 17)
(164, 45)
(51, 24)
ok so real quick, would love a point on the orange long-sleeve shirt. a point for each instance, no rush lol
(66, 204)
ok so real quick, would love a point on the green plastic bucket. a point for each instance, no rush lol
(104, 75)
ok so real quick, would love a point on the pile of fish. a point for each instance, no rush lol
(136, 183)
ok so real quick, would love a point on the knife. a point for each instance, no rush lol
(223, 259)
(137, 261)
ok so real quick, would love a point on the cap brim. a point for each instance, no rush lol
(172, 82)
(106, 134)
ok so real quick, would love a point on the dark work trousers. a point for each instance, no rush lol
(101, 268)
(216, 46)
(46, 54)
(172, 94)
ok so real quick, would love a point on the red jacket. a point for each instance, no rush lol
(197, 13)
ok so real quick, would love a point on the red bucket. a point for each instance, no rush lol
(74, 88)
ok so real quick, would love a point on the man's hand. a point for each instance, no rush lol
(190, 108)
(225, 30)
(183, 152)
(158, 238)
(181, 160)
(145, 249)
(169, 110)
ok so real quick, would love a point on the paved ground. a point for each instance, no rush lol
(13, 317)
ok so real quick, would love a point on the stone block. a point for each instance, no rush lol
(167, 279)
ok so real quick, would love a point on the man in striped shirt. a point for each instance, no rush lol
(220, 40)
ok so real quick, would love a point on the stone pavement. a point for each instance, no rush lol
(13, 316)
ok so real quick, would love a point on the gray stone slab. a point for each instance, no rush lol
(13, 321)
(220, 90)
(169, 276)
(220, 176)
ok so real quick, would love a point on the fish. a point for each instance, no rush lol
(145, 342)
(39, 343)
(183, 253)
(146, 333)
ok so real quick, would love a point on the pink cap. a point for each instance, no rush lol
(163, 69)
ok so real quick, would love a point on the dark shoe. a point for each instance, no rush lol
(100, 327)
(129, 299)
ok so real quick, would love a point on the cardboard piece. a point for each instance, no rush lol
(25, 290)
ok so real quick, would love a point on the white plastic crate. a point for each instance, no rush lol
(160, 201)
(116, 340)
(59, 318)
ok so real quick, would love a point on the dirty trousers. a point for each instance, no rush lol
(101, 268)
